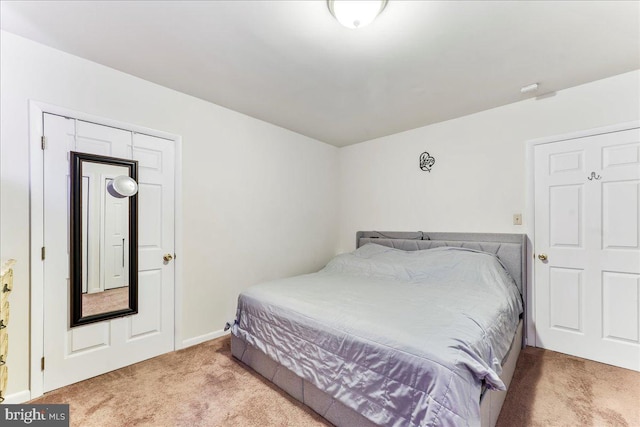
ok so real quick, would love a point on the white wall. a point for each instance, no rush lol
(254, 195)
(478, 180)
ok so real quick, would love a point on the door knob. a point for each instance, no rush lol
(542, 257)
(167, 257)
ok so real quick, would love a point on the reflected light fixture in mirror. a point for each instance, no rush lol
(122, 186)
(356, 13)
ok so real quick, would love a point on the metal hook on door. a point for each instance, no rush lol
(593, 176)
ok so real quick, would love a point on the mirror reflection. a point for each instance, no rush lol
(103, 240)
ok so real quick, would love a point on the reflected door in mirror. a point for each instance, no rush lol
(103, 239)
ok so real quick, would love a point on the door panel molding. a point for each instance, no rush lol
(36, 111)
(530, 333)
(614, 158)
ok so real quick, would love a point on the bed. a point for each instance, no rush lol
(410, 329)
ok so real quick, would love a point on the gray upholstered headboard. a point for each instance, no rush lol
(510, 248)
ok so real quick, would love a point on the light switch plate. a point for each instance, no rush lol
(517, 219)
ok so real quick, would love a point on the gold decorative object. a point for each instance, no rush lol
(6, 285)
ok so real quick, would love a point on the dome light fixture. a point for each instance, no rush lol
(122, 186)
(356, 13)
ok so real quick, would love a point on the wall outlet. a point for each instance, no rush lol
(517, 219)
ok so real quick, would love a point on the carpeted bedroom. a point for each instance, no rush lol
(350, 213)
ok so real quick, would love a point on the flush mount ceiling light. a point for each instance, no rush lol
(356, 13)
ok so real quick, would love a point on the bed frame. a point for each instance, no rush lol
(510, 249)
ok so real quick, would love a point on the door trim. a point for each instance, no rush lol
(532, 337)
(36, 232)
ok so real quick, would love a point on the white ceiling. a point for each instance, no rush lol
(290, 63)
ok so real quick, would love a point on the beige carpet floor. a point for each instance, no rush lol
(555, 389)
(105, 301)
(204, 386)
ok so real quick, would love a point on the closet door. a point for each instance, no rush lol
(587, 247)
(75, 354)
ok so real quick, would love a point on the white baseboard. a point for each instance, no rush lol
(202, 338)
(19, 397)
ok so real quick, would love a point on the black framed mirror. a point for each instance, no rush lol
(103, 253)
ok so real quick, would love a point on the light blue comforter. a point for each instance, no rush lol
(404, 338)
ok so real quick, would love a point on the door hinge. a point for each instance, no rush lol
(42, 364)
(42, 253)
(43, 142)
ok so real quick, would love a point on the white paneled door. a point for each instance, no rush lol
(75, 354)
(587, 247)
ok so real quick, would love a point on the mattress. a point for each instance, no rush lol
(403, 338)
